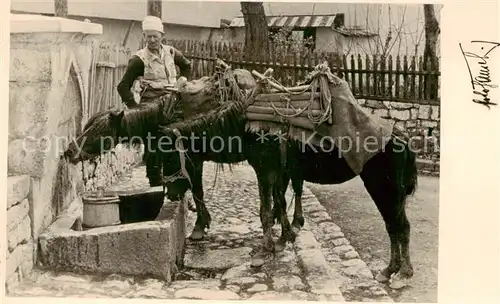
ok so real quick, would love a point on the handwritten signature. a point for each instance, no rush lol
(483, 80)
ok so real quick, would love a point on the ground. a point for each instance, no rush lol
(354, 212)
(323, 264)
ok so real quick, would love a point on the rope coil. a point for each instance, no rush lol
(319, 79)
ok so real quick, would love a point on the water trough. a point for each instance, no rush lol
(128, 229)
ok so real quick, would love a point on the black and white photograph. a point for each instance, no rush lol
(225, 150)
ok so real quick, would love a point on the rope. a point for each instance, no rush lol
(231, 91)
(182, 173)
(325, 97)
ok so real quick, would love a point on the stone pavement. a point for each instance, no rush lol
(321, 265)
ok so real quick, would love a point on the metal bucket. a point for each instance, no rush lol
(101, 211)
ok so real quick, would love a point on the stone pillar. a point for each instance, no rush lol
(50, 62)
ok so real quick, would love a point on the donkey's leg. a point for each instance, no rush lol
(203, 218)
(286, 230)
(276, 211)
(298, 217)
(381, 177)
(153, 162)
(266, 218)
(406, 270)
(387, 210)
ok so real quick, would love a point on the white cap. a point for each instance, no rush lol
(152, 23)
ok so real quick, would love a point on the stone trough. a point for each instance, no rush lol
(148, 241)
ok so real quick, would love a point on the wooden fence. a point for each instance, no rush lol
(109, 63)
(403, 78)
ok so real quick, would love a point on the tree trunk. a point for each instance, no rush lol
(432, 31)
(154, 8)
(61, 8)
(256, 33)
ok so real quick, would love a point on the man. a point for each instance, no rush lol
(148, 72)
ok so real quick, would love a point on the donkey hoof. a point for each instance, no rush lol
(279, 246)
(197, 235)
(381, 278)
(399, 283)
(260, 258)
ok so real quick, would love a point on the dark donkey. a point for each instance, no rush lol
(389, 177)
(106, 129)
(138, 125)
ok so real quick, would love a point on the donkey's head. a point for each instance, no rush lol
(99, 135)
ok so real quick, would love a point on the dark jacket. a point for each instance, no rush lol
(135, 69)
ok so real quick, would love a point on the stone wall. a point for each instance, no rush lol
(107, 169)
(19, 256)
(50, 63)
(420, 121)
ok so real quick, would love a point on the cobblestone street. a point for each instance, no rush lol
(321, 265)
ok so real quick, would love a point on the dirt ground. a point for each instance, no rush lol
(353, 210)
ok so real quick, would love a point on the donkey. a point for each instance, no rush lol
(389, 177)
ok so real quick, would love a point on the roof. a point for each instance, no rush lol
(194, 13)
(354, 32)
(296, 21)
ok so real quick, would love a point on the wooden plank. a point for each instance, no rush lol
(390, 73)
(398, 75)
(107, 64)
(297, 104)
(360, 75)
(413, 79)
(353, 76)
(382, 76)
(368, 76)
(280, 96)
(405, 75)
(269, 110)
(302, 122)
(421, 90)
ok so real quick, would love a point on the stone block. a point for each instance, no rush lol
(401, 105)
(424, 112)
(375, 104)
(11, 283)
(414, 113)
(411, 124)
(22, 253)
(18, 188)
(146, 249)
(28, 110)
(305, 240)
(435, 112)
(400, 125)
(380, 113)
(17, 213)
(361, 102)
(19, 233)
(25, 158)
(400, 114)
(26, 266)
(28, 64)
(429, 124)
(139, 249)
